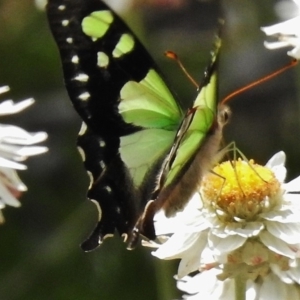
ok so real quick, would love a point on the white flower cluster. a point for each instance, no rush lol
(16, 144)
(285, 34)
(255, 235)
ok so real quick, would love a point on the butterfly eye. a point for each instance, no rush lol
(224, 114)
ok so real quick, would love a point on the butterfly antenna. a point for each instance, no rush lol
(174, 56)
(259, 81)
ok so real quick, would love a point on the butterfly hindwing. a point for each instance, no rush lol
(130, 116)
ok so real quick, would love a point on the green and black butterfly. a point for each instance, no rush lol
(141, 152)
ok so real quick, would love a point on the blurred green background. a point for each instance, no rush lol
(40, 254)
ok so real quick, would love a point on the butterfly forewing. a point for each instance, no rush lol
(130, 116)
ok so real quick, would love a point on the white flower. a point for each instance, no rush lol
(246, 222)
(286, 34)
(120, 6)
(16, 145)
(40, 4)
(206, 286)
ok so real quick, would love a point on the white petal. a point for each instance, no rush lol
(280, 173)
(283, 275)
(12, 179)
(6, 196)
(285, 215)
(190, 219)
(289, 27)
(178, 243)
(18, 153)
(293, 186)
(287, 42)
(288, 232)
(225, 245)
(276, 164)
(276, 245)
(277, 159)
(294, 200)
(251, 290)
(190, 261)
(41, 4)
(150, 244)
(272, 288)
(9, 107)
(15, 135)
(189, 284)
(276, 45)
(294, 273)
(10, 164)
(228, 290)
(246, 230)
(4, 89)
(207, 286)
(164, 225)
(30, 151)
(295, 52)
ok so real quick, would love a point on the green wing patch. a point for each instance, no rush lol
(149, 103)
(125, 45)
(152, 145)
(97, 23)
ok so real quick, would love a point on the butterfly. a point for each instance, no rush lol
(142, 153)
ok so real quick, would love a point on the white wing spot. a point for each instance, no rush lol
(108, 188)
(69, 40)
(84, 96)
(102, 164)
(125, 237)
(98, 208)
(91, 177)
(81, 152)
(83, 129)
(82, 77)
(75, 59)
(109, 235)
(102, 144)
(65, 22)
(62, 7)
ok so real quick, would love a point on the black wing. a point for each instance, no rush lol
(94, 76)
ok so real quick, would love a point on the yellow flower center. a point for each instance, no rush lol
(240, 188)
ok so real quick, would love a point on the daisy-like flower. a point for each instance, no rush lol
(16, 145)
(245, 224)
(285, 34)
(207, 286)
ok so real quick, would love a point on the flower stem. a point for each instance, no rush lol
(240, 287)
(165, 282)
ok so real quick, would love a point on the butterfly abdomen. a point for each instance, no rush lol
(174, 197)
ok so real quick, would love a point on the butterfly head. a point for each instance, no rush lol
(223, 115)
